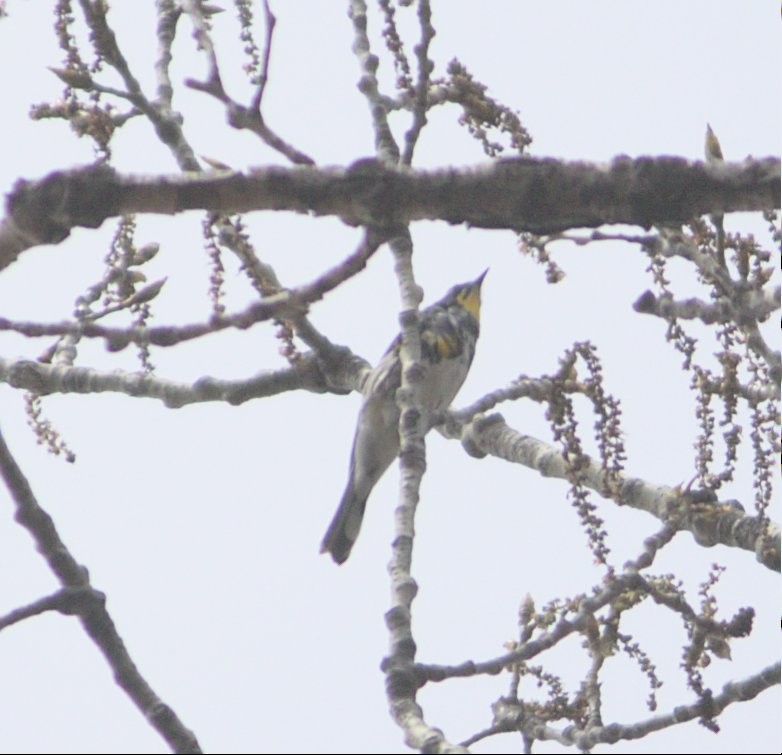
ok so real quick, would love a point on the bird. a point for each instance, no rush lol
(711, 148)
(713, 154)
(448, 332)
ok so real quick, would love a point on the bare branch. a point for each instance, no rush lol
(90, 606)
(290, 304)
(167, 123)
(307, 375)
(732, 692)
(398, 666)
(239, 116)
(422, 85)
(755, 305)
(263, 77)
(67, 601)
(504, 194)
(385, 144)
(709, 521)
(168, 16)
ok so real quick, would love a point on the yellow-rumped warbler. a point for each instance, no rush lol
(713, 153)
(449, 331)
(711, 147)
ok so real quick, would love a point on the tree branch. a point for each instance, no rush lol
(710, 521)
(538, 195)
(90, 605)
(68, 601)
(385, 144)
(239, 116)
(754, 305)
(732, 692)
(344, 374)
(289, 304)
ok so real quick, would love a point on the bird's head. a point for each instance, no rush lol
(468, 295)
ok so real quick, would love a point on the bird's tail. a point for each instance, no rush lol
(344, 527)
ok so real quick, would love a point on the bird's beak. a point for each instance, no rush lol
(479, 280)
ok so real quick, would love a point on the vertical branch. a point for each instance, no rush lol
(167, 17)
(263, 76)
(401, 679)
(425, 68)
(412, 452)
(385, 144)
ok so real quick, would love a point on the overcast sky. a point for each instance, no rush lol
(202, 524)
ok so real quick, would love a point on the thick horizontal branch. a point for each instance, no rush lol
(538, 195)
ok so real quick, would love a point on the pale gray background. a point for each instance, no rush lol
(202, 525)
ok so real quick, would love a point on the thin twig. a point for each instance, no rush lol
(240, 116)
(263, 78)
(288, 304)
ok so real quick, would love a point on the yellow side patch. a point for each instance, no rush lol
(445, 346)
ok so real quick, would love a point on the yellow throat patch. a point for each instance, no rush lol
(470, 300)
